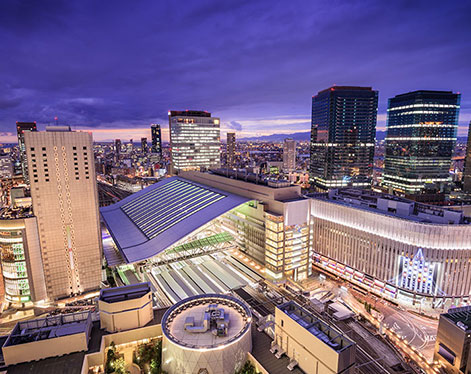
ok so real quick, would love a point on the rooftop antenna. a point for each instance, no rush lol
(56, 121)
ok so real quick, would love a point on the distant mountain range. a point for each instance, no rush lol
(299, 136)
(303, 136)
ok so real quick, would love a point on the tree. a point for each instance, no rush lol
(248, 368)
(149, 357)
(114, 362)
(110, 358)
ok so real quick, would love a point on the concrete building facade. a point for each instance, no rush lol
(65, 202)
(311, 344)
(453, 344)
(125, 308)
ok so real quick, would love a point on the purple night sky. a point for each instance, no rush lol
(117, 66)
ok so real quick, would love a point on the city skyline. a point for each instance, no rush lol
(283, 59)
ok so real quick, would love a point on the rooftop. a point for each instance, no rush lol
(49, 328)
(316, 327)
(153, 219)
(16, 213)
(191, 311)
(124, 293)
(189, 113)
(245, 176)
(424, 93)
(345, 88)
(461, 317)
(393, 206)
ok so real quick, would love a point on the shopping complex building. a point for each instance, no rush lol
(404, 250)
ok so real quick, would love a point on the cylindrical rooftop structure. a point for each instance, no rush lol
(206, 334)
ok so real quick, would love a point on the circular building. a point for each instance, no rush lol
(206, 334)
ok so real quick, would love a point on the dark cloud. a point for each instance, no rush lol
(117, 63)
(234, 125)
(8, 103)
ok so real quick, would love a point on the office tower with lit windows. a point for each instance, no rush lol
(65, 202)
(289, 155)
(467, 164)
(343, 131)
(231, 140)
(421, 136)
(144, 148)
(156, 134)
(21, 127)
(194, 140)
(22, 268)
(117, 149)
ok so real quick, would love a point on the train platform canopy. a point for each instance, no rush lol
(150, 221)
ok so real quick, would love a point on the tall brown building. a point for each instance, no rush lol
(65, 202)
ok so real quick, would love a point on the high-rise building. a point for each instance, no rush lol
(156, 138)
(21, 127)
(22, 267)
(289, 155)
(144, 148)
(117, 149)
(194, 140)
(231, 139)
(65, 202)
(421, 136)
(156, 149)
(343, 132)
(467, 164)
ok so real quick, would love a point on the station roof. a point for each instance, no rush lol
(150, 221)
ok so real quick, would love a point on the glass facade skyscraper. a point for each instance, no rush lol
(343, 131)
(194, 140)
(421, 136)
